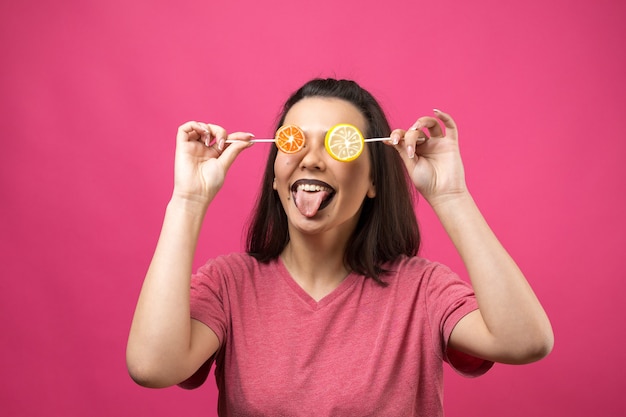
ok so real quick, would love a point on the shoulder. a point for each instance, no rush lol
(425, 278)
(238, 269)
(414, 268)
(230, 272)
(233, 263)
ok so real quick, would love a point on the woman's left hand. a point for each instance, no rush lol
(434, 161)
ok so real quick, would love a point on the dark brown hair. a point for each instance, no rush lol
(387, 227)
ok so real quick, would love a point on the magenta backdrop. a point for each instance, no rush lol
(92, 94)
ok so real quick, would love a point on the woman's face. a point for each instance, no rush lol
(319, 193)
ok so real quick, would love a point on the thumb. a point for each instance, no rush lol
(237, 143)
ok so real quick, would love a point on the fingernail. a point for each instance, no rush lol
(220, 144)
(395, 139)
(206, 142)
(437, 110)
(251, 135)
(416, 126)
(421, 139)
(410, 150)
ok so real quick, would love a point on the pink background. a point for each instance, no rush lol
(92, 94)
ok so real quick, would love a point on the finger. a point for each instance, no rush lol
(190, 131)
(240, 141)
(429, 124)
(447, 120)
(201, 132)
(214, 132)
(240, 136)
(410, 140)
(396, 136)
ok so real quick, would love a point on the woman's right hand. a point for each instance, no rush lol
(202, 159)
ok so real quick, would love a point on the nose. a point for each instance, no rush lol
(314, 153)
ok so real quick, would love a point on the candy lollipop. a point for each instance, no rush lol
(289, 139)
(344, 142)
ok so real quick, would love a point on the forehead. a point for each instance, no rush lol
(322, 113)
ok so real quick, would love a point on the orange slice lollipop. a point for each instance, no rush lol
(344, 142)
(289, 139)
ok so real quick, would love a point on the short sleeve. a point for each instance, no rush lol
(449, 300)
(207, 306)
(208, 299)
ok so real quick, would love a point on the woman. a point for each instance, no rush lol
(331, 312)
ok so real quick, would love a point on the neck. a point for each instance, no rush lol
(316, 263)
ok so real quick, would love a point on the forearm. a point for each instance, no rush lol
(161, 328)
(511, 312)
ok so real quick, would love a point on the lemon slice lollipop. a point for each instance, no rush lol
(344, 142)
(289, 138)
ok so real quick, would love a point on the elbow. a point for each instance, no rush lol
(545, 345)
(144, 372)
(537, 351)
(543, 342)
(534, 348)
(143, 376)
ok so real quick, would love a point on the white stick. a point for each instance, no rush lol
(252, 140)
(274, 140)
(376, 139)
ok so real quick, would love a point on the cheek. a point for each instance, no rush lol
(359, 181)
(355, 172)
(283, 168)
(284, 165)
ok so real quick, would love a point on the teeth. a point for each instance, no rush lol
(312, 188)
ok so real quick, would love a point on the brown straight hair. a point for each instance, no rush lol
(387, 227)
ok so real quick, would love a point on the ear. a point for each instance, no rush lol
(274, 184)
(371, 191)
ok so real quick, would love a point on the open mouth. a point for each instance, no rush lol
(311, 196)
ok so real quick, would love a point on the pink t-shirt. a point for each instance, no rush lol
(363, 350)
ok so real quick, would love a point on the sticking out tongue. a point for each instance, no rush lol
(309, 202)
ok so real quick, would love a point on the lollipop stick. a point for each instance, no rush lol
(252, 140)
(376, 139)
(274, 140)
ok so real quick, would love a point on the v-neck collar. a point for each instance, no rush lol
(348, 282)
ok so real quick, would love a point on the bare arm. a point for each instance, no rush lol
(165, 346)
(510, 325)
